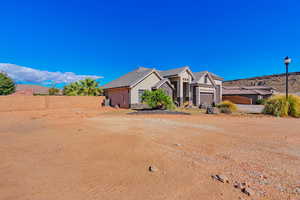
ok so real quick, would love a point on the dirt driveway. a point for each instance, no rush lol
(86, 154)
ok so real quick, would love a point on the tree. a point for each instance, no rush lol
(157, 99)
(86, 87)
(7, 85)
(53, 91)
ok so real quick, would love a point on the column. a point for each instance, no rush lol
(181, 92)
(197, 96)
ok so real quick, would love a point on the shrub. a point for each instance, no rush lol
(53, 91)
(157, 99)
(279, 106)
(294, 109)
(7, 85)
(261, 101)
(86, 87)
(227, 107)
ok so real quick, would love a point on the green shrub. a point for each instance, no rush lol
(279, 106)
(86, 87)
(53, 91)
(7, 85)
(227, 107)
(261, 101)
(157, 99)
(294, 109)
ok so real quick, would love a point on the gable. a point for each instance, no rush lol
(206, 79)
(148, 81)
(186, 75)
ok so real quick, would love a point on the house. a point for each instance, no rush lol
(183, 85)
(247, 94)
(30, 90)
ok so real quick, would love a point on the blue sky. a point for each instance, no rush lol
(233, 39)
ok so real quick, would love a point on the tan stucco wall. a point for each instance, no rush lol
(118, 96)
(24, 103)
(145, 84)
(218, 82)
(204, 89)
(186, 75)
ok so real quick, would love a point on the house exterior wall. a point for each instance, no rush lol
(145, 84)
(253, 97)
(168, 90)
(118, 96)
(186, 76)
(219, 91)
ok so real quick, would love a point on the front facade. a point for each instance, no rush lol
(184, 86)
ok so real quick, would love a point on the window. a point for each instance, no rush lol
(141, 92)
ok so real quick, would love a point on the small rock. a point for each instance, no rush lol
(212, 110)
(297, 190)
(221, 178)
(239, 185)
(280, 188)
(152, 169)
(262, 176)
(248, 191)
(178, 145)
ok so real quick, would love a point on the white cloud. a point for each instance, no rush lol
(27, 74)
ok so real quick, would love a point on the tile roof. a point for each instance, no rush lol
(172, 72)
(135, 76)
(162, 81)
(130, 78)
(36, 89)
(256, 90)
(199, 75)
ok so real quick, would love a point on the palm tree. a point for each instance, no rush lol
(90, 87)
(87, 87)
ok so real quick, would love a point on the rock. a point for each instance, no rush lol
(280, 188)
(297, 190)
(178, 145)
(262, 176)
(248, 191)
(239, 185)
(212, 110)
(152, 169)
(221, 178)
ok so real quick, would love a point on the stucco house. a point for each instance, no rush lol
(181, 84)
(247, 94)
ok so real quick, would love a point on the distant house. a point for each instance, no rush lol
(30, 90)
(247, 94)
(183, 85)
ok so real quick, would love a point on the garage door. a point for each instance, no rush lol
(206, 98)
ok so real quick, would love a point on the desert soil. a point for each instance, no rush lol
(86, 154)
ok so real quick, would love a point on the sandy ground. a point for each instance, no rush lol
(84, 154)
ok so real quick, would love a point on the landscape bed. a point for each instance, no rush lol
(163, 112)
(95, 154)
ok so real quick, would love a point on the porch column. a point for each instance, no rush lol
(180, 91)
(189, 92)
(197, 96)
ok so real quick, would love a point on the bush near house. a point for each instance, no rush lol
(157, 99)
(227, 107)
(86, 87)
(261, 101)
(7, 85)
(279, 106)
(53, 91)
